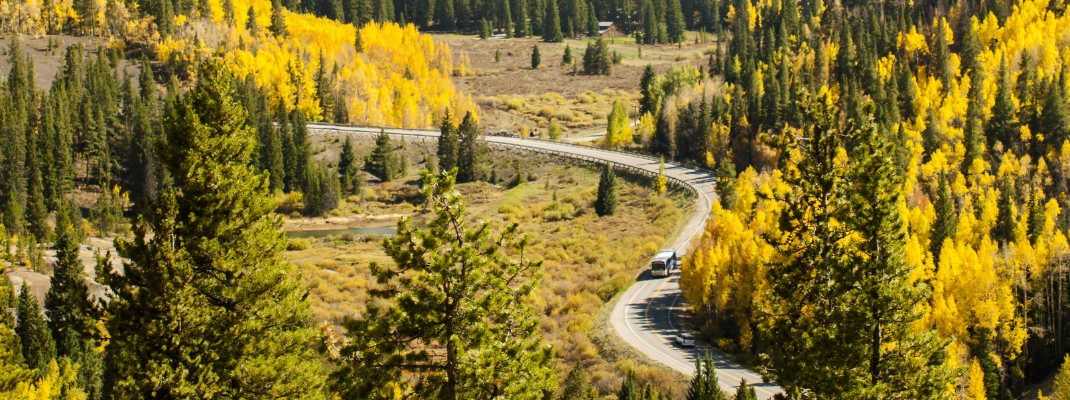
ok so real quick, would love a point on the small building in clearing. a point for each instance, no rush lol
(608, 30)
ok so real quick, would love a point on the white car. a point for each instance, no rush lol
(684, 339)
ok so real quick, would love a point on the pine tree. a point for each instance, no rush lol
(507, 19)
(521, 19)
(38, 349)
(228, 12)
(674, 22)
(536, 59)
(447, 144)
(1002, 127)
(447, 17)
(577, 386)
(469, 149)
(744, 392)
(347, 169)
(1054, 118)
(566, 58)
(606, 203)
(1035, 224)
(973, 132)
(36, 211)
(651, 26)
(704, 383)
(551, 31)
(381, 162)
(278, 22)
(1006, 214)
(250, 22)
(946, 220)
(942, 57)
(629, 388)
(207, 307)
(909, 94)
(835, 305)
(650, 91)
(592, 21)
(477, 317)
(71, 316)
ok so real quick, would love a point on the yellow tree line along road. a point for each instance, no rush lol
(643, 316)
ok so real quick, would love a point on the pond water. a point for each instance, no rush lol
(318, 233)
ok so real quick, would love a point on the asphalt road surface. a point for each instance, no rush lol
(645, 316)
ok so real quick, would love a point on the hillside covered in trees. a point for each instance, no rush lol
(893, 192)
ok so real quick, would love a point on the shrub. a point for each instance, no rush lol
(515, 103)
(564, 115)
(546, 112)
(347, 237)
(298, 244)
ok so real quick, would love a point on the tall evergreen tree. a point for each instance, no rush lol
(520, 20)
(250, 22)
(472, 310)
(1054, 117)
(278, 22)
(745, 392)
(675, 26)
(551, 31)
(704, 383)
(946, 219)
(206, 307)
(836, 305)
(381, 161)
(448, 144)
(536, 59)
(1006, 213)
(469, 149)
(72, 317)
(1002, 126)
(347, 169)
(577, 386)
(606, 202)
(38, 349)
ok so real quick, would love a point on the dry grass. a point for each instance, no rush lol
(513, 77)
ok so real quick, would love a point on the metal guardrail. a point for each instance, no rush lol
(426, 135)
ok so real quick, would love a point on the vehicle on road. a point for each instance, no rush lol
(664, 263)
(684, 339)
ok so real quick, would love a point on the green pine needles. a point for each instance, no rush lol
(454, 322)
(206, 307)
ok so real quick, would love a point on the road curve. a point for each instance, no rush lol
(644, 315)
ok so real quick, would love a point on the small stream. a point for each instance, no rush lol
(319, 233)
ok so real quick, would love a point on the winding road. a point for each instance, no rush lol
(645, 316)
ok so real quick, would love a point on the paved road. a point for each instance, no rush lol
(644, 315)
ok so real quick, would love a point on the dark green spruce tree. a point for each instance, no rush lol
(551, 31)
(606, 203)
(472, 311)
(38, 349)
(448, 144)
(577, 386)
(206, 307)
(536, 58)
(704, 383)
(71, 315)
(946, 219)
(469, 150)
(348, 171)
(380, 162)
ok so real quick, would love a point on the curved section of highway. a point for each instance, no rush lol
(645, 314)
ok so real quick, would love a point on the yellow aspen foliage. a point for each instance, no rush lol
(975, 382)
(60, 382)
